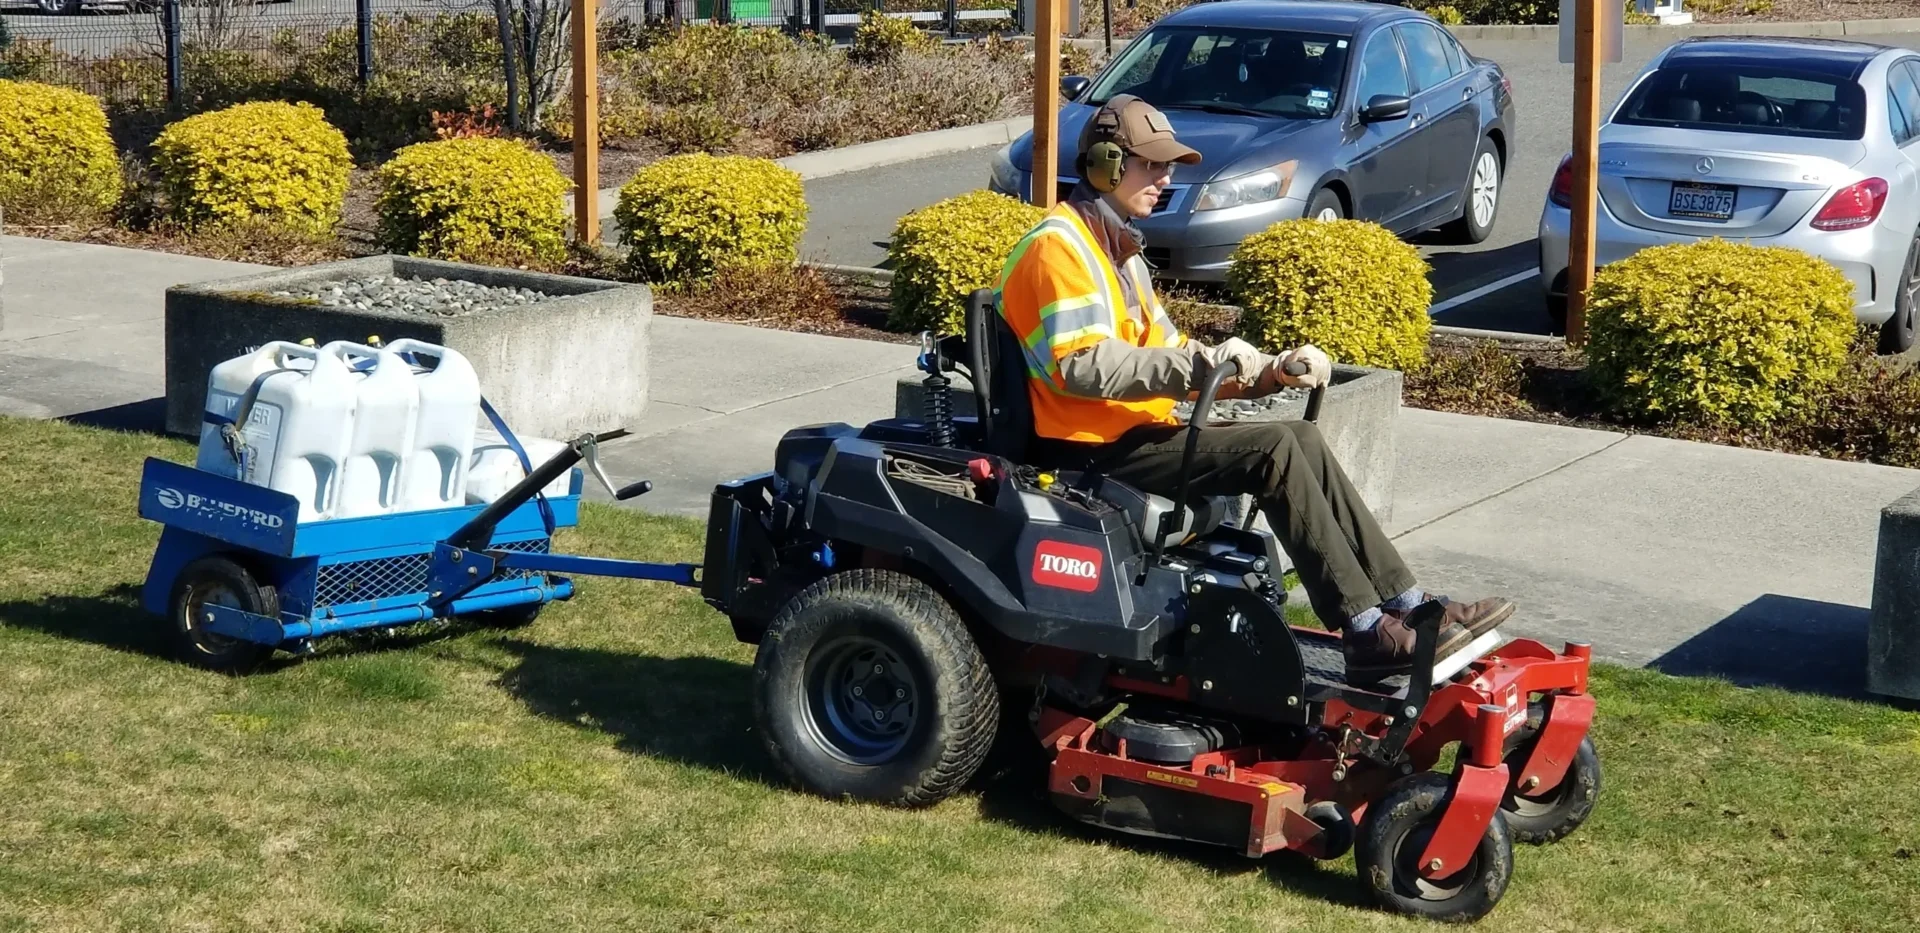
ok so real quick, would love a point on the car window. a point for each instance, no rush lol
(1426, 59)
(1903, 85)
(1381, 71)
(1750, 97)
(1456, 56)
(1131, 74)
(1899, 119)
(1236, 70)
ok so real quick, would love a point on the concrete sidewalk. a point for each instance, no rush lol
(1693, 558)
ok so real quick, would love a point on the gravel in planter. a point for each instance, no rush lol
(1244, 409)
(444, 297)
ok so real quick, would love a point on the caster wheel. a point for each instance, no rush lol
(219, 581)
(1338, 823)
(1397, 829)
(868, 686)
(511, 617)
(1553, 815)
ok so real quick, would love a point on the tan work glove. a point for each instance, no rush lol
(1252, 364)
(1319, 367)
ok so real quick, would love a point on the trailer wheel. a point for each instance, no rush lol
(219, 581)
(1396, 830)
(867, 685)
(1553, 815)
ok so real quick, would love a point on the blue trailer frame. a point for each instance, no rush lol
(354, 574)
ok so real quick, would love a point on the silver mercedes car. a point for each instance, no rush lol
(1805, 143)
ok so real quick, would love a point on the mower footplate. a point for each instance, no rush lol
(1325, 663)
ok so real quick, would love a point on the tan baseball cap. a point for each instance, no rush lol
(1135, 126)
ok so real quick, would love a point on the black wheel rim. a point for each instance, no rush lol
(199, 597)
(863, 700)
(1407, 880)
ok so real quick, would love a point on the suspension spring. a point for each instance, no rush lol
(939, 410)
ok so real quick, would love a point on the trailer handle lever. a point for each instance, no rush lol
(589, 447)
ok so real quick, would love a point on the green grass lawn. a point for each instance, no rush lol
(599, 771)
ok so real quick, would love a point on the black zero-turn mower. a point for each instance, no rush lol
(909, 580)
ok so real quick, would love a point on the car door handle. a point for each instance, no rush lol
(1419, 118)
(1466, 94)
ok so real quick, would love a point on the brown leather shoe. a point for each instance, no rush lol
(1478, 618)
(1386, 649)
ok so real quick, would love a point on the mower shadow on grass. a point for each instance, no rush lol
(1803, 645)
(695, 710)
(112, 619)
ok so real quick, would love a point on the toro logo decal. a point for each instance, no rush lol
(1067, 566)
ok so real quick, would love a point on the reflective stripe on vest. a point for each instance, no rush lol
(1070, 318)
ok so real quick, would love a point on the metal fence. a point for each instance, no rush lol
(170, 54)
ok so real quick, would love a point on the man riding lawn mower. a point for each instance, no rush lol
(1062, 557)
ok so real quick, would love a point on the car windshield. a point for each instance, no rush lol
(1748, 98)
(1253, 71)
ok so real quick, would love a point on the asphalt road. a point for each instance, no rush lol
(853, 214)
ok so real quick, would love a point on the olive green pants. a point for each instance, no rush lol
(1345, 561)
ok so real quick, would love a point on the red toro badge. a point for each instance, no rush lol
(1067, 566)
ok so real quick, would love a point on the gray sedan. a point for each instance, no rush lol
(1803, 143)
(1300, 108)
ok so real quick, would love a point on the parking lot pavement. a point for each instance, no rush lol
(1486, 285)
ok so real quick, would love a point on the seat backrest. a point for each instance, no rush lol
(999, 369)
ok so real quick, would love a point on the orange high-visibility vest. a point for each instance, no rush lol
(1061, 294)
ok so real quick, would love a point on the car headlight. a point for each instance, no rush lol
(1006, 178)
(1252, 188)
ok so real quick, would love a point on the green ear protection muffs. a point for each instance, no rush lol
(1105, 164)
(1106, 161)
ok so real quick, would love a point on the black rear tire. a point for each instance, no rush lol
(1896, 335)
(868, 685)
(219, 581)
(1396, 829)
(1485, 169)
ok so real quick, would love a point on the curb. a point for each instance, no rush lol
(1821, 28)
(1827, 29)
(881, 152)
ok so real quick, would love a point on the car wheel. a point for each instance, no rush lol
(1896, 335)
(1326, 206)
(1481, 201)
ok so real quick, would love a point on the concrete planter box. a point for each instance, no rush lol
(1893, 628)
(1358, 419)
(553, 368)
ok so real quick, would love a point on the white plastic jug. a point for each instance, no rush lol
(496, 468)
(296, 429)
(387, 405)
(226, 384)
(434, 475)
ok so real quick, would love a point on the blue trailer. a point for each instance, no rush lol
(239, 577)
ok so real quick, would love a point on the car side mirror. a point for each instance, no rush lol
(1382, 107)
(1071, 86)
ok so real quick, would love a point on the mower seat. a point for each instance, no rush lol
(996, 366)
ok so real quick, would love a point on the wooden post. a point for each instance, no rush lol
(1586, 161)
(1046, 101)
(586, 123)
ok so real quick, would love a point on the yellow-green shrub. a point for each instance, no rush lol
(944, 251)
(57, 163)
(266, 162)
(474, 199)
(1717, 332)
(1349, 287)
(881, 38)
(685, 216)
